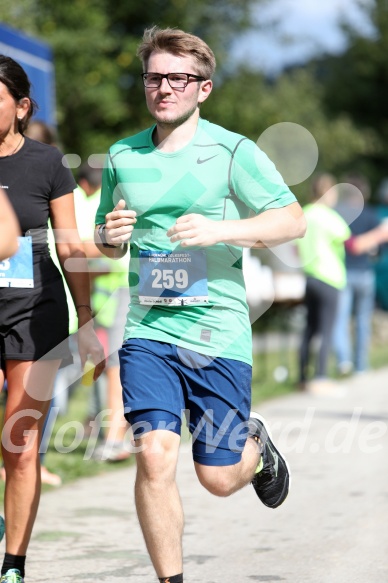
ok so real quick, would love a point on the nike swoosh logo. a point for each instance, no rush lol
(199, 161)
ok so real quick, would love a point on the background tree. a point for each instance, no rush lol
(100, 97)
(356, 82)
(248, 104)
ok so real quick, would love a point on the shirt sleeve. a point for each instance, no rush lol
(336, 228)
(108, 189)
(256, 181)
(62, 179)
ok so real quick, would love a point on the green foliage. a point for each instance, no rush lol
(248, 104)
(20, 14)
(356, 83)
(100, 98)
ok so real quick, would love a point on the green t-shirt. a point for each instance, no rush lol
(322, 249)
(219, 174)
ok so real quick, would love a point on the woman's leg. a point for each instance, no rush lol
(23, 422)
(342, 340)
(364, 305)
(310, 330)
(327, 313)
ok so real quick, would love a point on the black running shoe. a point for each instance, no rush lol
(12, 576)
(271, 484)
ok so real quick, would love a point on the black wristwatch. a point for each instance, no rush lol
(101, 234)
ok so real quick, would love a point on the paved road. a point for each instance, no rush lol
(332, 529)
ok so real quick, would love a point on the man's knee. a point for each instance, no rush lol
(218, 480)
(157, 455)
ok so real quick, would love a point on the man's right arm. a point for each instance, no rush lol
(119, 224)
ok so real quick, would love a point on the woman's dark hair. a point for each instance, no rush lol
(13, 76)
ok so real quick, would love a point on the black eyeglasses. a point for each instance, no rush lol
(175, 80)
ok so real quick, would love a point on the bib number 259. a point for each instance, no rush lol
(168, 278)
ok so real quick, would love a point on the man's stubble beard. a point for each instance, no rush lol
(175, 123)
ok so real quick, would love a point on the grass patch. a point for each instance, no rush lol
(269, 366)
(77, 463)
(274, 375)
(73, 465)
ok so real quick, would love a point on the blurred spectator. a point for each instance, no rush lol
(41, 132)
(381, 264)
(110, 298)
(9, 228)
(357, 299)
(322, 255)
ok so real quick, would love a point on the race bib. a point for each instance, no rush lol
(176, 278)
(17, 271)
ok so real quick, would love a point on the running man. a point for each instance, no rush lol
(188, 195)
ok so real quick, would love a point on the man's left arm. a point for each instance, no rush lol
(267, 229)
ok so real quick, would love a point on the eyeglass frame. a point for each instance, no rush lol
(165, 76)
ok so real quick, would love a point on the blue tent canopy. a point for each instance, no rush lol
(36, 58)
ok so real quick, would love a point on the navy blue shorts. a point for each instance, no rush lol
(161, 382)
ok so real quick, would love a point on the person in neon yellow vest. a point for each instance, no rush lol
(110, 298)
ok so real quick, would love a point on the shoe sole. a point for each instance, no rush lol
(263, 421)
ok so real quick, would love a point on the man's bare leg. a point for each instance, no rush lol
(158, 501)
(225, 480)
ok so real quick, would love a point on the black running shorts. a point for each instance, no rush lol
(34, 322)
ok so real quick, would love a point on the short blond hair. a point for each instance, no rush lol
(177, 42)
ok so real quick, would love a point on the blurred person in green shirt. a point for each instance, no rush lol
(322, 252)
